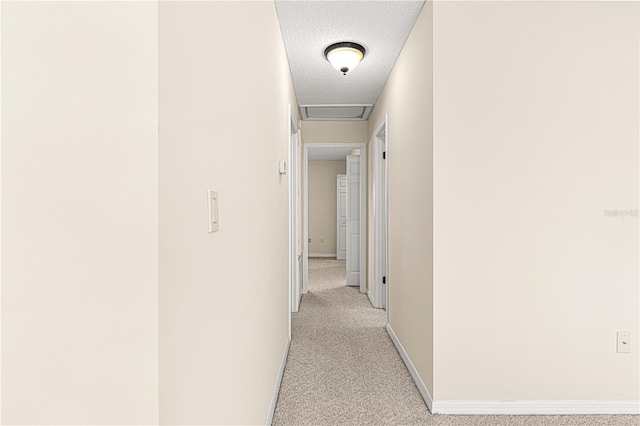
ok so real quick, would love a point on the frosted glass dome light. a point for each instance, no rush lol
(345, 56)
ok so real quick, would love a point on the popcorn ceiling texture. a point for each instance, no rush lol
(343, 368)
(308, 27)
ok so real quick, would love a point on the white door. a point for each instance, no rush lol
(380, 219)
(341, 217)
(384, 245)
(353, 220)
(380, 215)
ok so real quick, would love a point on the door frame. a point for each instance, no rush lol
(380, 191)
(363, 209)
(338, 177)
(295, 290)
(352, 160)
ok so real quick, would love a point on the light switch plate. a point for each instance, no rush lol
(213, 210)
(624, 342)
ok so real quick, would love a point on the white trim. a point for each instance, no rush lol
(380, 227)
(371, 299)
(363, 209)
(522, 407)
(424, 392)
(294, 285)
(536, 407)
(305, 220)
(299, 278)
(338, 177)
(322, 255)
(276, 390)
(366, 112)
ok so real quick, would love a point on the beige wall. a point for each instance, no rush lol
(328, 132)
(322, 205)
(407, 98)
(79, 213)
(334, 131)
(223, 296)
(536, 135)
(0, 215)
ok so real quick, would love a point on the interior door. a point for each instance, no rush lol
(341, 217)
(353, 220)
(383, 210)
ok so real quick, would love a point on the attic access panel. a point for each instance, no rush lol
(335, 112)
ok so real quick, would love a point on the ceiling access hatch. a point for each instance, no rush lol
(335, 112)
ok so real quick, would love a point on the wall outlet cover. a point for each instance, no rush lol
(623, 342)
(213, 210)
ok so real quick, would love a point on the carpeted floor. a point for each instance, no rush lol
(326, 274)
(343, 368)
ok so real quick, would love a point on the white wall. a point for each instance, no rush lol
(224, 125)
(79, 213)
(323, 205)
(407, 98)
(536, 135)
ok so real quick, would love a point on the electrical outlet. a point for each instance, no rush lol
(624, 342)
(309, 240)
(321, 240)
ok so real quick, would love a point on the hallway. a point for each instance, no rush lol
(342, 366)
(155, 191)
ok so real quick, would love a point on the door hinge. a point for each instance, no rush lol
(384, 155)
(384, 280)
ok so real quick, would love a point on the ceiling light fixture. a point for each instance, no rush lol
(345, 56)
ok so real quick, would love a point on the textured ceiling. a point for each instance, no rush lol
(309, 26)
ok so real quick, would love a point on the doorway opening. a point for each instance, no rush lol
(380, 279)
(354, 230)
(295, 287)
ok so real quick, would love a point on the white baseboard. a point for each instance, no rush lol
(322, 255)
(522, 407)
(276, 390)
(533, 407)
(371, 299)
(412, 370)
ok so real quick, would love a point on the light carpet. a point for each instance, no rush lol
(343, 368)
